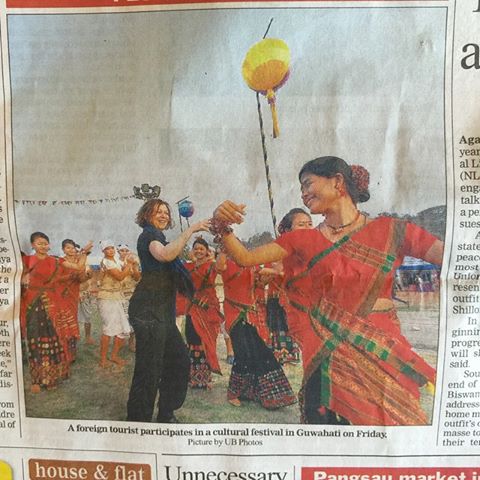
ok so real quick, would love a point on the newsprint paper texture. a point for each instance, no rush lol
(346, 351)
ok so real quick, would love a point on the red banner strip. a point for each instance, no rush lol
(386, 473)
(136, 3)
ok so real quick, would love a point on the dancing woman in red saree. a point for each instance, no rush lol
(203, 318)
(74, 263)
(256, 375)
(366, 369)
(284, 340)
(358, 367)
(44, 315)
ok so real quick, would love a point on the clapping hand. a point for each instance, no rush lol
(87, 248)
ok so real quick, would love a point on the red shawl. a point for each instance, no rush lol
(47, 280)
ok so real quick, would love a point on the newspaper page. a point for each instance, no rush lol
(334, 334)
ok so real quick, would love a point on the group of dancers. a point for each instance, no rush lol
(332, 284)
(205, 317)
(254, 324)
(60, 295)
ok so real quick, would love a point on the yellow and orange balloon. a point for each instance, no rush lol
(265, 69)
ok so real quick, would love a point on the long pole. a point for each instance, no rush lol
(267, 166)
(265, 154)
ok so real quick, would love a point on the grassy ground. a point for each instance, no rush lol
(93, 393)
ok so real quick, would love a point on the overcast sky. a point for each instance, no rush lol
(104, 102)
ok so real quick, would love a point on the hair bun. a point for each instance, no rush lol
(360, 177)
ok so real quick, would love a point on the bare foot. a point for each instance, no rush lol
(118, 361)
(104, 363)
(90, 341)
(35, 388)
(235, 402)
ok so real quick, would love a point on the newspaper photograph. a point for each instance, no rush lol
(254, 222)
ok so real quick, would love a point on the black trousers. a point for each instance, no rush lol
(162, 363)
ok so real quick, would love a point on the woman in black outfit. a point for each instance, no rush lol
(162, 363)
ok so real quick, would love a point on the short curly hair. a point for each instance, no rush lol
(144, 215)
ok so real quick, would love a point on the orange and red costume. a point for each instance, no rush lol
(364, 369)
(204, 314)
(46, 320)
(256, 374)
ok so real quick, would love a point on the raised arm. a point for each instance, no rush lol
(81, 262)
(271, 252)
(167, 253)
(227, 213)
(78, 266)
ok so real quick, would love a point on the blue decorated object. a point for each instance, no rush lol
(186, 208)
